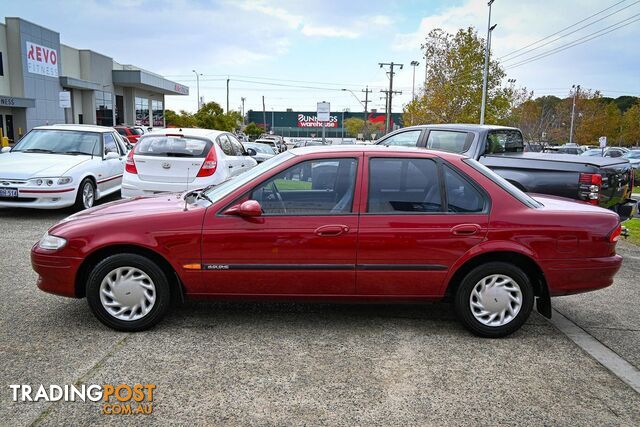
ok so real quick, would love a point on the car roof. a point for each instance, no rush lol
(348, 148)
(462, 126)
(198, 132)
(83, 128)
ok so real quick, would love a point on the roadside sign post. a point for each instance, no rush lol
(64, 99)
(324, 115)
(603, 143)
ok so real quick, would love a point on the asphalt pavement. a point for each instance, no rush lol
(218, 363)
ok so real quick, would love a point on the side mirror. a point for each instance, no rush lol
(5, 149)
(111, 155)
(251, 152)
(250, 208)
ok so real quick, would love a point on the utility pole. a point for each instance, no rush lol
(414, 64)
(197, 88)
(264, 115)
(272, 121)
(573, 111)
(387, 122)
(486, 66)
(243, 99)
(227, 95)
(366, 91)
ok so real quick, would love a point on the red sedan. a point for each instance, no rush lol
(341, 223)
(131, 133)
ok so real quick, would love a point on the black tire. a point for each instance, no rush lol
(80, 205)
(463, 297)
(152, 270)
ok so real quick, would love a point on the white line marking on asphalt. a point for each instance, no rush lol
(609, 359)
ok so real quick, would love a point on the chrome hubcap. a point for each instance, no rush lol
(496, 300)
(87, 195)
(127, 293)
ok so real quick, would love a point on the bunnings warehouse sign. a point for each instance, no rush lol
(311, 121)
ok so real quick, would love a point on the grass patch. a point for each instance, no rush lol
(634, 230)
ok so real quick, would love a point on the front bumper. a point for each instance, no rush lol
(39, 198)
(572, 276)
(56, 274)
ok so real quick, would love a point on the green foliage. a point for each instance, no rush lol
(453, 89)
(253, 131)
(210, 116)
(355, 126)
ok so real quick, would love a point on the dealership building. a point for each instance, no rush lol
(45, 82)
(305, 124)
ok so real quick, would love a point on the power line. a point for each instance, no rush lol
(560, 31)
(568, 34)
(574, 43)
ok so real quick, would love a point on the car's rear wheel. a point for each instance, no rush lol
(86, 195)
(494, 299)
(128, 292)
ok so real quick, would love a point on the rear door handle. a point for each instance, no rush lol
(465, 229)
(331, 230)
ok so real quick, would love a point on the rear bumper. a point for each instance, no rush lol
(628, 209)
(57, 274)
(572, 276)
(133, 186)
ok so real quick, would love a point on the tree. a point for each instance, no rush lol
(209, 116)
(453, 90)
(630, 134)
(355, 126)
(182, 120)
(253, 130)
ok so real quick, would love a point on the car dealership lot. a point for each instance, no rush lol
(278, 363)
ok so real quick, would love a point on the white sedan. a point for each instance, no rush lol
(174, 160)
(62, 165)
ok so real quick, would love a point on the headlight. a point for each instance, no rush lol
(50, 181)
(52, 243)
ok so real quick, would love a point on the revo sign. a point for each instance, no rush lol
(42, 60)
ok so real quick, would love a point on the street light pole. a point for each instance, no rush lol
(486, 66)
(414, 64)
(573, 111)
(243, 99)
(197, 87)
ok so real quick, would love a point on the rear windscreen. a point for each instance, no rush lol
(172, 146)
(505, 141)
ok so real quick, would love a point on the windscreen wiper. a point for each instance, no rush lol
(76, 152)
(36, 150)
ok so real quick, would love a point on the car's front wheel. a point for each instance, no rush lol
(494, 299)
(128, 292)
(86, 196)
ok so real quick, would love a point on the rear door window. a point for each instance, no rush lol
(110, 145)
(238, 149)
(172, 146)
(462, 196)
(451, 141)
(403, 185)
(226, 146)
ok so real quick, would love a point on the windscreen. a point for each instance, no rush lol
(60, 142)
(172, 146)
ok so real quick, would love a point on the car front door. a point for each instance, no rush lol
(304, 243)
(418, 218)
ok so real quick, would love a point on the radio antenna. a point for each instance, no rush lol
(185, 196)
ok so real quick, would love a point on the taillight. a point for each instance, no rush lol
(130, 166)
(590, 184)
(210, 163)
(615, 234)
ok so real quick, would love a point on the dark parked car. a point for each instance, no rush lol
(606, 182)
(570, 149)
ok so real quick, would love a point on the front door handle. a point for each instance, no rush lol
(465, 229)
(331, 230)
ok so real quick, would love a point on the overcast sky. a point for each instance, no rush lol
(266, 47)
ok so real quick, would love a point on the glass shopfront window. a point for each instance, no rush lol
(104, 108)
(142, 111)
(158, 113)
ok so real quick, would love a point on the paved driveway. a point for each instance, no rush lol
(309, 364)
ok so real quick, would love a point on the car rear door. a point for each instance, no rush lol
(110, 176)
(171, 158)
(419, 216)
(304, 243)
(244, 161)
(231, 159)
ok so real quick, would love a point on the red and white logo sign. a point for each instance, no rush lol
(42, 60)
(306, 121)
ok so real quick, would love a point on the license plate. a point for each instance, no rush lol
(8, 192)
